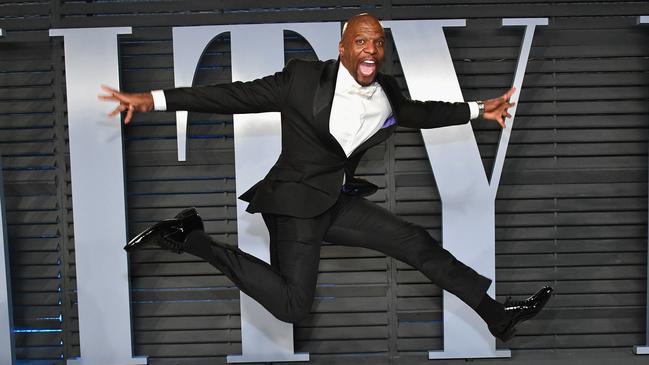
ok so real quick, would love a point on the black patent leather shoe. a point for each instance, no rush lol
(169, 234)
(521, 311)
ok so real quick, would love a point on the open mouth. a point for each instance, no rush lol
(367, 67)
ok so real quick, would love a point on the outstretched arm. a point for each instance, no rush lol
(435, 114)
(266, 94)
(128, 102)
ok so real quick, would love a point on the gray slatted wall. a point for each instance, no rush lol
(571, 208)
(33, 148)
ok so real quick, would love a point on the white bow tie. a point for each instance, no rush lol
(365, 91)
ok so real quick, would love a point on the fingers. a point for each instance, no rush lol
(108, 89)
(497, 109)
(501, 118)
(107, 98)
(493, 104)
(125, 102)
(114, 95)
(123, 108)
(120, 108)
(129, 114)
(504, 108)
(509, 94)
(130, 110)
(112, 92)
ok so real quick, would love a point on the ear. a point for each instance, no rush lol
(341, 48)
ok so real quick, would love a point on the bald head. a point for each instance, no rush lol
(358, 17)
(361, 47)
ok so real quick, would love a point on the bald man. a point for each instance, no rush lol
(331, 113)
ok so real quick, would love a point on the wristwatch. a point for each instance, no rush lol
(480, 108)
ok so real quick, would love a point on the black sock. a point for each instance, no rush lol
(492, 312)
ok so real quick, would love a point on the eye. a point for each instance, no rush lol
(380, 43)
(360, 41)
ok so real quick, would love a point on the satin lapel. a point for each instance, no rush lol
(324, 92)
(322, 101)
(389, 92)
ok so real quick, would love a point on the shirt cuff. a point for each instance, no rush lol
(473, 107)
(159, 100)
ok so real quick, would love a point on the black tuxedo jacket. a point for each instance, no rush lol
(306, 179)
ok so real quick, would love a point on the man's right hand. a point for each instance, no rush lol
(128, 102)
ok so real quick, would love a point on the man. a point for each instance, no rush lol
(331, 112)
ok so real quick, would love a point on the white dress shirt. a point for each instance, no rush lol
(357, 112)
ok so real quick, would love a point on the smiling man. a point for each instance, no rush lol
(331, 113)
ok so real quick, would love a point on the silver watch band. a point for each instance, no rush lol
(480, 108)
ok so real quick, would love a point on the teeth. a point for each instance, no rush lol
(369, 61)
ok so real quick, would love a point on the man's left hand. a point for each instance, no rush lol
(496, 109)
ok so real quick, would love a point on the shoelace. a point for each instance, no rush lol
(514, 303)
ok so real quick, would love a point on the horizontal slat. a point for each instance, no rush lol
(176, 350)
(515, 10)
(180, 337)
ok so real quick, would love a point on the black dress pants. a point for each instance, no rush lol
(286, 287)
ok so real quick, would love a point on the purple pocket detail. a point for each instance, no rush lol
(388, 122)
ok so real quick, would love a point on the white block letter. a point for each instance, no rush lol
(468, 198)
(97, 171)
(257, 139)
